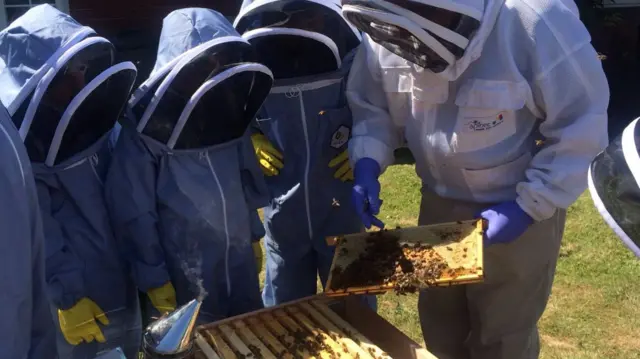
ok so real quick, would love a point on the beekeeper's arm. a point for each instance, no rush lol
(26, 327)
(375, 134)
(16, 261)
(63, 269)
(571, 91)
(254, 186)
(130, 190)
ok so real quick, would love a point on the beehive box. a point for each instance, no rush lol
(316, 327)
(407, 259)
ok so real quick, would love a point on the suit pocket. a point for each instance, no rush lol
(497, 183)
(486, 114)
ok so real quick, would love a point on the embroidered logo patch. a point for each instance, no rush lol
(477, 125)
(340, 137)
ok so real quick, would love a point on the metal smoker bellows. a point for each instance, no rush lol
(171, 337)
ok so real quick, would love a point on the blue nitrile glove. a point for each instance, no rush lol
(366, 192)
(507, 222)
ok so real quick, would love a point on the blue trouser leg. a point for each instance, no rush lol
(245, 284)
(291, 272)
(223, 295)
(124, 331)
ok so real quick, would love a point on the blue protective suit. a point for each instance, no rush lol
(309, 121)
(26, 329)
(82, 259)
(185, 214)
(308, 203)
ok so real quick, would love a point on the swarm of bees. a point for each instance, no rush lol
(388, 261)
(421, 266)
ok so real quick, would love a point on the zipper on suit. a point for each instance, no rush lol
(226, 226)
(307, 168)
(93, 163)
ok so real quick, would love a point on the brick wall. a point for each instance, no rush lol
(620, 45)
(134, 25)
(113, 16)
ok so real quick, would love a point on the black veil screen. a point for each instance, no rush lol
(81, 69)
(304, 15)
(202, 67)
(225, 111)
(290, 56)
(97, 114)
(617, 187)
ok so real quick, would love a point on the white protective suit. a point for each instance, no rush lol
(538, 77)
(528, 74)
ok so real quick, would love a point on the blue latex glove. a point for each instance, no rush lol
(366, 192)
(507, 222)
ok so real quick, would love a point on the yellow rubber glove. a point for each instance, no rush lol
(163, 298)
(344, 172)
(78, 323)
(269, 158)
(257, 252)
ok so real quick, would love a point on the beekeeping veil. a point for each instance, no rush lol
(614, 183)
(60, 84)
(200, 94)
(438, 35)
(297, 37)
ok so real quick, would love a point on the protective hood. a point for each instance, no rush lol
(614, 184)
(71, 92)
(206, 86)
(297, 38)
(30, 46)
(441, 36)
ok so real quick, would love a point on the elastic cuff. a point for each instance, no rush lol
(149, 277)
(539, 210)
(257, 196)
(65, 296)
(257, 228)
(363, 147)
(254, 128)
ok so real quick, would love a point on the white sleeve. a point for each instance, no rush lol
(574, 95)
(374, 134)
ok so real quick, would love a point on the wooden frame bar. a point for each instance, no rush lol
(315, 327)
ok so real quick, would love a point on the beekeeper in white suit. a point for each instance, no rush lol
(503, 105)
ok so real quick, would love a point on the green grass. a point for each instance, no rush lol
(594, 310)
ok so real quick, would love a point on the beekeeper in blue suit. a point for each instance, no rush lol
(503, 105)
(26, 329)
(64, 94)
(301, 138)
(184, 184)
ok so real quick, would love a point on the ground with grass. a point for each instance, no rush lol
(594, 310)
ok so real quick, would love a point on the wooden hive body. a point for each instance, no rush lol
(458, 248)
(316, 327)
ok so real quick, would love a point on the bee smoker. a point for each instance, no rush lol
(171, 337)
